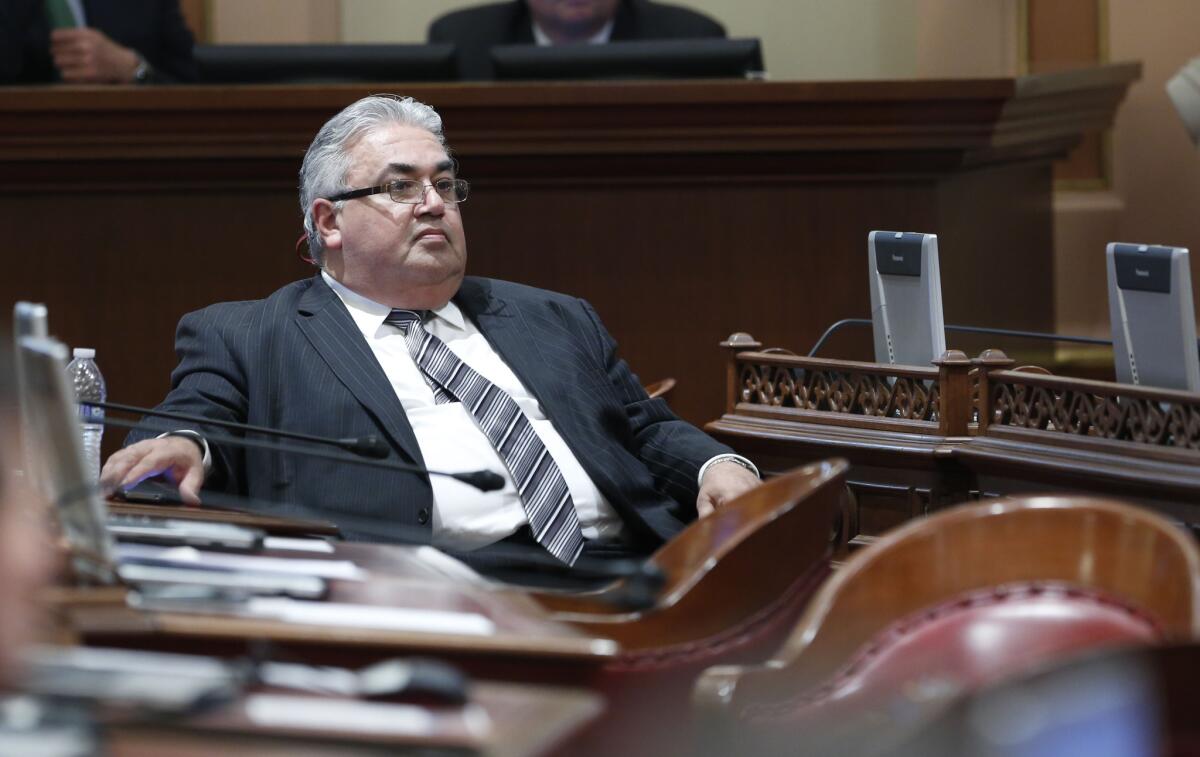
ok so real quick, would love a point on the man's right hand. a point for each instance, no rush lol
(87, 56)
(178, 457)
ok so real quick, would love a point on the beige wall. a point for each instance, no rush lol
(273, 21)
(1155, 197)
(966, 38)
(1157, 168)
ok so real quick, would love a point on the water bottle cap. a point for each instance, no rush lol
(84, 353)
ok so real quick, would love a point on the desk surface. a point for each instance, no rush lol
(277, 526)
(501, 720)
(416, 578)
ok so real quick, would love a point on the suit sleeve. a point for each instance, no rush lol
(209, 381)
(672, 449)
(172, 56)
(17, 21)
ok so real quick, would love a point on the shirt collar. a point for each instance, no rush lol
(369, 314)
(599, 38)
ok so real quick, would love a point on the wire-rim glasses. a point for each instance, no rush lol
(411, 191)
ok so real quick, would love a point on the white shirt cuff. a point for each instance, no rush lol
(198, 439)
(727, 458)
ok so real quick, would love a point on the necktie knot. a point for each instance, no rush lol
(404, 319)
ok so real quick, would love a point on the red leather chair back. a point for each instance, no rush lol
(962, 599)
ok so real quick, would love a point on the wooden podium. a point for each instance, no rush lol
(680, 210)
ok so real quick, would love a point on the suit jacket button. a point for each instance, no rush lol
(423, 516)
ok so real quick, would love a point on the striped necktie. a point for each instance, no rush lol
(543, 491)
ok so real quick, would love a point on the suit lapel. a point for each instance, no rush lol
(521, 344)
(624, 22)
(520, 26)
(323, 319)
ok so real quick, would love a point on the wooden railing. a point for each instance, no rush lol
(922, 438)
(886, 397)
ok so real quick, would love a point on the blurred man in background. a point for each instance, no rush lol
(560, 22)
(94, 42)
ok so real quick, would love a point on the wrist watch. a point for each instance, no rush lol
(141, 74)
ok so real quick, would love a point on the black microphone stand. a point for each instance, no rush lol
(367, 446)
(483, 480)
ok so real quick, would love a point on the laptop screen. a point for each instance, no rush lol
(52, 434)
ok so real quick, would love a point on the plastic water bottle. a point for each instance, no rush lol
(85, 376)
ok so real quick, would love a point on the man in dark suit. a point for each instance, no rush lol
(94, 42)
(525, 22)
(455, 372)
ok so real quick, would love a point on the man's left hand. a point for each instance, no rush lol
(88, 56)
(722, 482)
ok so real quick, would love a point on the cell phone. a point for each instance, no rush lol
(152, 491)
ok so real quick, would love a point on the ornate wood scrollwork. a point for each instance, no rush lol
(840, 391)
(1088, 413)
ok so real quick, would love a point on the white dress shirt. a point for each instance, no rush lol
(450, 440)
(599, 38)
(76, 7)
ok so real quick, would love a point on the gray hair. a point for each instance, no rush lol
(327, 160)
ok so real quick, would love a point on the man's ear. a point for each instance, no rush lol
(325, 220)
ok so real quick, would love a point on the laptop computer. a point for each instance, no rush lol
(51, 413)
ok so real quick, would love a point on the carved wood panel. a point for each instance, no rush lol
(1109, 415)
(854, 392)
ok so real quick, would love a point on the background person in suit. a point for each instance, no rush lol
(554, 22)
(94, 42)
(335, 356)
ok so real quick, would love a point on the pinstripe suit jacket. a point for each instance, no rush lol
(297, 361)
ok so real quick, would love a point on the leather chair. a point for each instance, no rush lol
(945, 605)
(735, 582)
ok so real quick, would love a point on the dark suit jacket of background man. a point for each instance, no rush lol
(154, 28)
(297, 361)
(476, 30)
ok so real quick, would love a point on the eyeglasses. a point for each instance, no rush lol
(411, 191)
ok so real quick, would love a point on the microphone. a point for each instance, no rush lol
(367, 446)
(483, 480)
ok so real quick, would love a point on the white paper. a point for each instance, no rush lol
(297, 545)
(370, 616)
(325, 714)
(195, 558)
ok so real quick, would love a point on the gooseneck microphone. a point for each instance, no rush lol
(367, 446)
(483, 480)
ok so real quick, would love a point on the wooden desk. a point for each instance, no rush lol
(705, 205)
(271, 525)
(521, 721)
(526, 644)
(920, 439)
